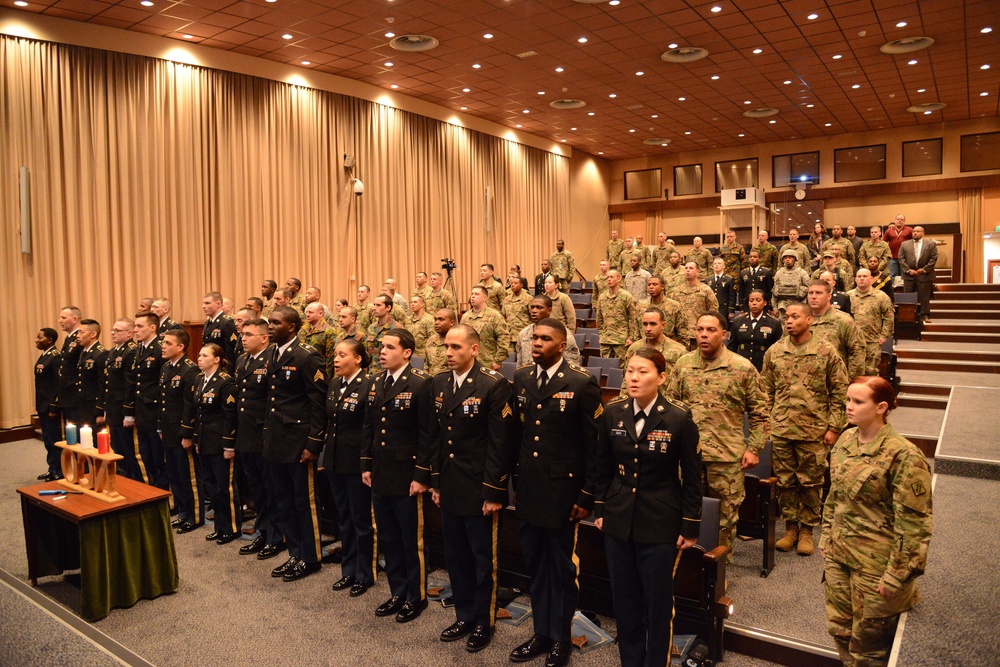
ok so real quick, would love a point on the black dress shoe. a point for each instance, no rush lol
(479, 639)
(389, 607)
(300, 570)
(211, 537)
(359, 589)
(270, 551)
(44, 477)
(284, 567)
(531, 649)
(410, 611)
(258, 543)
(188, 526)
(176, 523)
(559, 655)
(456, 631)
(226, 539)
(342, 583)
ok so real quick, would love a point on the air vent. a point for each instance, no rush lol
(926, 106)
(763, 112)
(685, 54)
(567, 104)
(847, 72)
(590, 2)
(908, 45)
(527, 54)
(656, 141)
(413, 43)
(636, 107)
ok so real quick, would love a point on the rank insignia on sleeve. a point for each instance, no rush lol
(506, 412)
(230, 399)
(318, 376)
(599, 411)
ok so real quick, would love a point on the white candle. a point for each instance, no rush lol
(87, 437)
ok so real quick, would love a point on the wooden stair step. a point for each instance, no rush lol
(948, 306)
(925, 389)
(959, 337)
(968, 287)
(946, 354)
(967, 314)
(954, 366)
(904, 400)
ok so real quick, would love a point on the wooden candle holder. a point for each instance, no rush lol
(94, 474)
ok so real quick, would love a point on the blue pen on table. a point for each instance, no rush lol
(54, 492)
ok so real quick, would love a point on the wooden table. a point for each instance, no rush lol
(124, 551)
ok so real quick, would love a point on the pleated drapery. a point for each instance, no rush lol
(970, 219)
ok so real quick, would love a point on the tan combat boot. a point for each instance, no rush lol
(805, 547)
(788, 540)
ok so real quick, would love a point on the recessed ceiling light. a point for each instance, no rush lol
(518, 125)
(741, 135)
(306, 62)
(144, 3)
(655, 116)
(787, 82)
(467, 90)
(526, 111)
(613, 95)
(810, 106)
(476, 66)
(983, 94)
(560, 69)
(600, 152)
(639, 73)
(615, 3)
(188, 36)
(388, 64)
(582, 40)
(590, 113)
(463, 108)
(856, 86)
(986, 30)
(921, 90)
(813, 17)
(563, 140)
(716, 10)
(270, 0)
(984, 67)
(928, 113)
(21, 3)
(747, 102)
(772, 122)
(681, 99)
(541, 92)
(390, 35)
(631, 130)
(901, 24)
(715, 78)
(286, 36)
(758, 51)
(671, 46)
(912, 62)
(572, 129)
(488, 35)
(838, 57)
(688, 132)
(394, 86)
(828, 125)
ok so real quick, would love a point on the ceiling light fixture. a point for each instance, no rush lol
(741, 135)
(716, 10)
(928, 113)
(286, 36)
(631, 130)
(715, 78)
(488, 35)
(672, 46)
(986, 30)
(144, 3)
(572, 129)
(388, 64)
(188, 36)
(390, 35)
(758, 51)
(984, 94)
(810, 106)
(526, 111)
(681, 99)
(541, 92)
(787, 82)
(306, 62)
(747, 102)
(560, 69)
(600, 152)
(463, 108)
(901, 24)
(655, 116)
(582, 40)
(467, 90)
(688, 132)
(813, 17)
(394, 86)
(476, 66)
(563, 140)
(613, 95)
(921, 90)
(21, 3)
(984, 67)
(912, 62)
(838, 57)
(828, 125)
(772, 122)
(518, 125)
(856, 86)
(590, 113)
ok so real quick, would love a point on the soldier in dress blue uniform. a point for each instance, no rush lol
(219, 328)
(293, 437)
(68, 395)
(755, 277)
(142, 407)
(472, 454)
(46, 387)
(161, 308)
(346, 410)
(90, 371)
(649, 506)
(752, 333)
(395, 463)
(724, 288)
(559, 404)
(215, 440)
(178, 377)
(114, 394)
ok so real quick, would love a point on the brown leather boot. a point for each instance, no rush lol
(805, 547)
(788, 540)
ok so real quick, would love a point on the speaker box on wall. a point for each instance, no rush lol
(666, 193)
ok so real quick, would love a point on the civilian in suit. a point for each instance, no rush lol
(114, 394)
(647, 445)
(142, 407)
(178, 377)
(293, 437)
(724, 288)
(219, 328)
(215, 441)
(68, 395)
(346, 411)
(252, 388)
(540, 278)
(917, 258)
(472, 453)
(395, 464)
(46, 386)
(753, 332)
(755, 277)
(559, 405)
(90, 371)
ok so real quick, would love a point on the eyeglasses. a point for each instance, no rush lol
(247, 334)
(113, 330)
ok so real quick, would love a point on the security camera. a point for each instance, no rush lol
(359, 187)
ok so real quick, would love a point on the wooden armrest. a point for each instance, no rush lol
(769, 481)
(716, 554)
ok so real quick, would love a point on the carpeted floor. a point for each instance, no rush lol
(971, 430)
(917, 421)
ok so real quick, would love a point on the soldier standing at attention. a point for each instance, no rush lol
(563, 266)
(720, 387)
(267, 296)
(161, 308)
(874, 317)
(540, 278)
(734, 257)
(701, 257)
(539, 309)
(876, 527)
(142, 406)
(673, 275)
(805, 384)
(436, 360)
(364, 308)
(68, 394)
(348, 321)
(515, 310)
(767, 252)
(626, 254)
(637, 279)
(319, 335)
(423, 290)
(559, 405)
(652, 328)
(495, 291)
(390, 287)
(674, 319)
(601, 280)
(875, 247)
(382, 323)
(791, 283)
(837, 240)
(420, 324)
(178, 377)
(661, 253)
(494, 342)
(293, 288)
(645, 251)
(616, 319)
(219, 327)
(614, 250)
(93, 358)
(695, 298)
(801, 251)
(562, 306)
(46, 386)
(881, 280)
(472, 452)
(752, 333)
(724, 288)
(856, 241)
(755, 277)
(440, 297)
(836, 328)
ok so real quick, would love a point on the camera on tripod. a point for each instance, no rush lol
(448, 264)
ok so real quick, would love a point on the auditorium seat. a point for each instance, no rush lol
(887, 361)
(417, 362)
(758, 513)
(907, 321)
(612, 385)
(581, 300)
(575, 287)
(507, 369)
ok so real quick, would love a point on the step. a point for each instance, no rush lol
(925, 389)
(966, 314)
(927, 444)
(952, 366)
(945, 336)
(969, 287)
(905, 400)
(965, 296)
(948, 306)
(945, 354)
(961, 326)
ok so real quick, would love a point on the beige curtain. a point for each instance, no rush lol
(653, 226)
(970, 218)
(153, 178)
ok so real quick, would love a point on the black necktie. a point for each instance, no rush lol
(543, 380)
(388, 382)
(458, 383)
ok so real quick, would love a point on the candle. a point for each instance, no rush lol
(72, 434)
(103, 442)
(86, 437)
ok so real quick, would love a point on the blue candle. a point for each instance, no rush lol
(72, 434)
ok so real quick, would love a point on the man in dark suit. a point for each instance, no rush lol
(142, 407)
(293, 438)
(755, 277)
(472, 453)
(68, 394)
(559, 405)
(540, 278)
(724, 288)
(395, 463)
(917, 259)
(219, 328)
(178, 377)
(114, 394)
(46, 387)
(753, 332)
(90, 369)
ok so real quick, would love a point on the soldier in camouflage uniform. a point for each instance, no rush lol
(563, 266)
(673, 275)
(805, 383)
(420, 324)
(875, 247)
(423, 290)
(652, 323)
(695, 298)
(876, 528)
(364, 308)
(645, 252)
(719, 387)
(540, 308)
(439, 297)
(874, 317)
(614, 250)
(837, 240)
(495, 292)
(319, 334)
(768, 253)
(616, 318)
(296, 300)
(675, 321)
(701, 257)
(626, 255)
(791, 283)
(436, 359)
(494, 341)
(735, 257)
(801, 251)
(661, 253)
(847, 269)
(837, 329)
(600, 281)
(844, 281)
(381, 323)
(637, 279)
(515, 309)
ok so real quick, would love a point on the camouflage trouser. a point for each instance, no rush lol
(724, 480)
(873, 353)
(564, 285)
(613, 351)
(862, 622)
(780, 303)
(800, 466)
